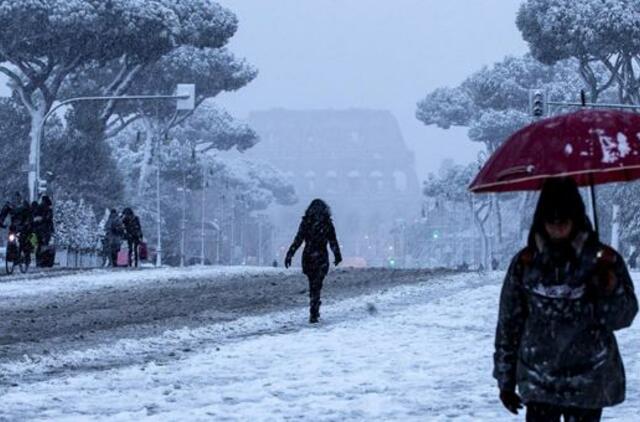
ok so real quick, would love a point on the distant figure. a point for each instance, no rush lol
(19, 212)
(563, 297)
(633, 258)
(43, 220)
(44, 229)
(113, 231)
(494, 263)
(133, 234)
(274, 264)
(316, 230)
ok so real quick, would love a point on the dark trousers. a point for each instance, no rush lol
(133, 249)
(315, 287)
(114, 248)
(542, 412)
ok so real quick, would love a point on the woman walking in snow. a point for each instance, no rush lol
(316, 230)
(563, 297)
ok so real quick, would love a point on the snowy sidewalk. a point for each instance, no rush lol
(418, 353)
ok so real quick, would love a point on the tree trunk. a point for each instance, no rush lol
(615, 228)
(148, 154)
(37, 116)
(158, 217)
(496, 204)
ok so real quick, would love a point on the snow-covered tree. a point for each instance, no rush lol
(42, 42)
(449, 188)
(493, 102)
(598, 34)
(76, 227)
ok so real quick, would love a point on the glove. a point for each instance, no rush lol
(511, 401)
(287, 261)
(337, 261)
(604, 280)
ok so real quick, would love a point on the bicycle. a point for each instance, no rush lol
(16, 254)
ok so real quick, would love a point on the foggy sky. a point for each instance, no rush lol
(379, 54)
(382, 54)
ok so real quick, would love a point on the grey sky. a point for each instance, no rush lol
(371, 53)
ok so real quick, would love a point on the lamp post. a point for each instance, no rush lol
(204, 200)
(185, 94)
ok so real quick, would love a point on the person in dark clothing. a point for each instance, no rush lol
(43, 220)
(633, 258)
(316, 230)
(114, 231)
(21, 220)
(563, 297)
(132, 233)
(43, 229)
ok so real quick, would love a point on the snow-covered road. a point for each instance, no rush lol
(413, 352)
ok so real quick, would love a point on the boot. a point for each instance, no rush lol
(314, 312)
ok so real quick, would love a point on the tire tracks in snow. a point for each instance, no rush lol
(160, 337)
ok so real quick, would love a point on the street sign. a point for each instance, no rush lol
(189, 91)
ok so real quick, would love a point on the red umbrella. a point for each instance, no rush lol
(591, 146)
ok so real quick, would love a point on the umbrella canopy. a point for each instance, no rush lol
(591, 146)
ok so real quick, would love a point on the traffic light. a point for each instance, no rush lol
(537, 102)
(42, 186)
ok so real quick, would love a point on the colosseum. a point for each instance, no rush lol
(358, 162)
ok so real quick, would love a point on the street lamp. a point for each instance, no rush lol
(185, 94)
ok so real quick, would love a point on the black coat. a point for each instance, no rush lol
(114, 231)
(132, 228)
(554, 337)
(43, 221)
(315, 234)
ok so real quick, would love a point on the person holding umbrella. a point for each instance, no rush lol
(566, 292)
(563, 297)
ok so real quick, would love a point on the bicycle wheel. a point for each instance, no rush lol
(25, 260)
(9, 266)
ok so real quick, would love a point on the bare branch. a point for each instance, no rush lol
(119, 89)
(110, 133)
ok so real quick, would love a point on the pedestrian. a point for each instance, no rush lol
(133, 234)
(114, 232)
(43, 220)
(633, 258)
(316, 230)
(563, 297)
(21, 222)
(43, 228)
(494, 263)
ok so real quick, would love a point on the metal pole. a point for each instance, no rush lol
(158, 216)
(204, 187)
(184, 217)
(34, 160)
(259, 240)
(593, 207)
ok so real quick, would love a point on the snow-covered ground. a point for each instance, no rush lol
(420, 352)
(24, 285)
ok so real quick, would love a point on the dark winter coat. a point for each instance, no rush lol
(132, 228)
(554, 338)
(43, 222)
(316, 233)
(114, 231)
